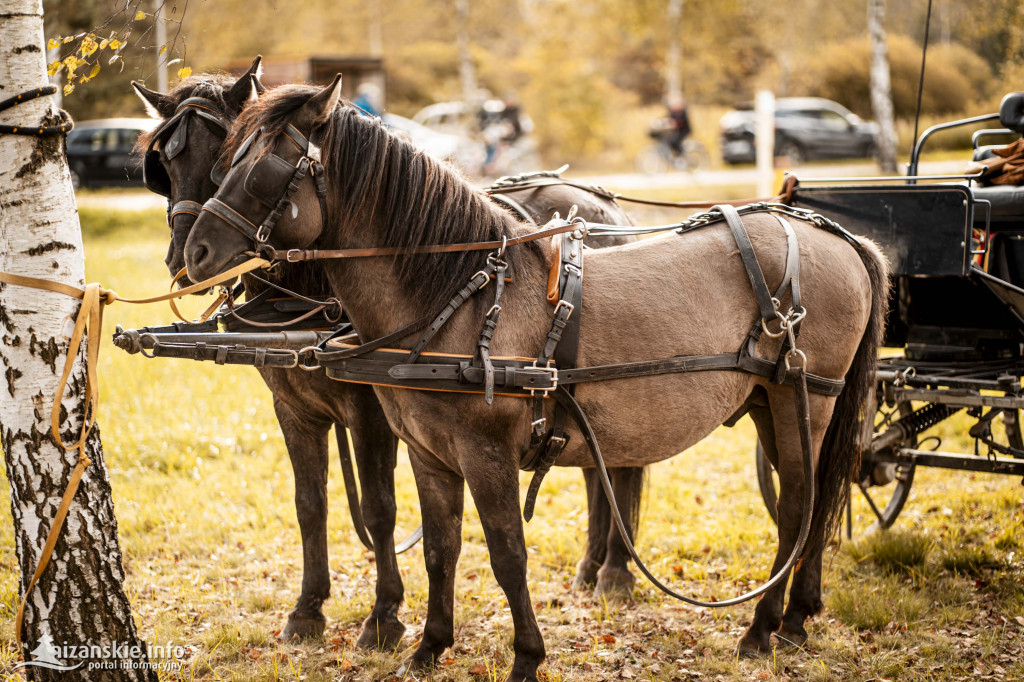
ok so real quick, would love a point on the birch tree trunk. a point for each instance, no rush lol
(79, 600)
(674, 53)
(881, 88)
(467, 71)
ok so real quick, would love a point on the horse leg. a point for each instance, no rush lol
(490, 485)
(307, 448)
(778, 425)
(614, 580)
(375, 448)
(441, 496)
(804, 598)
(598, 523)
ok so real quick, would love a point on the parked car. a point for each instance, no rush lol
(100, 151)
(805, 128)
(468, 155)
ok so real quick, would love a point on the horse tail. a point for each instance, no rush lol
(839, 461)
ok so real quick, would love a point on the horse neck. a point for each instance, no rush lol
(302, 278)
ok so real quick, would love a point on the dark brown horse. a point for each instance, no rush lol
(675, 295)
(188, 176)
(307, 404)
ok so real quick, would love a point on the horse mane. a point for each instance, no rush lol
(376, 177)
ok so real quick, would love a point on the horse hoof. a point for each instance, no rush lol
(752, 646)
(586, 574)
(303, 626)
(790, 637)
(614, 584)
(381, 634)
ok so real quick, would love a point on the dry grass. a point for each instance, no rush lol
(204, 503)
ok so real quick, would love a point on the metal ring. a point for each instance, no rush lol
(301, 362)
(803, 358)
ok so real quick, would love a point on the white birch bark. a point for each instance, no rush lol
(79, 600)
(881, 88)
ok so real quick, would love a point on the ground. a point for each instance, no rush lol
(203, 492)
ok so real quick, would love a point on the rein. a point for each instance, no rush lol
(539, 179)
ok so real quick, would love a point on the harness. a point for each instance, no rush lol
(554, 372)
(271, 181)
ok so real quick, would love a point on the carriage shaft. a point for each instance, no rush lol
(952, 460)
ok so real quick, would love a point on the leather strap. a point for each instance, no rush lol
(750, 264)
(297, 255)
(475, 284)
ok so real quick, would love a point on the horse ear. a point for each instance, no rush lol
(320, 106)
(157, 105)
(256, 71)
(242, 92)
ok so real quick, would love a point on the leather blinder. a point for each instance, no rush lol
(268, 178)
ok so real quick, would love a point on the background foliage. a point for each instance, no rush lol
(582, 68)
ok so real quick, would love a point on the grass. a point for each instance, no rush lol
(936, 598)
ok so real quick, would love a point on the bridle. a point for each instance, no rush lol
(272, 181)
(173, 133)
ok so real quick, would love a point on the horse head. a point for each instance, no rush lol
(179, 155)
(270, 191)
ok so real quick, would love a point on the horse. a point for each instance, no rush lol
(665, 297)
(604, 565)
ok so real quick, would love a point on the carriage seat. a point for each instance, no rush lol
(1007, 200)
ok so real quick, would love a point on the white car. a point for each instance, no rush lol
(467, 155)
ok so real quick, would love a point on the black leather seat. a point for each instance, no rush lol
(1007, 200)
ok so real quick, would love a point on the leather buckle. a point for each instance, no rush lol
(552, 375)
(562, 303)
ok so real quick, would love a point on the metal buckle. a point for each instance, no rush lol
(263, 233)
(293, 255)
(562, 303)
(552, 372)
(487, 279)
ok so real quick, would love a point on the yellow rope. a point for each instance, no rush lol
(90, 320)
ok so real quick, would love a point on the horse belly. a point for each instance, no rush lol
(644, 420)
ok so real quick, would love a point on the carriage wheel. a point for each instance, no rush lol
(876, 500)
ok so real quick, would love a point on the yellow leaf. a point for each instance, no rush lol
(68, 89)
(54, 68)
(185, 72)
(52, 43)
(163, 48)
(104, 43)
(67, 39)
(115, 44)
(88, 46)
(140, 15)
(95, 71)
